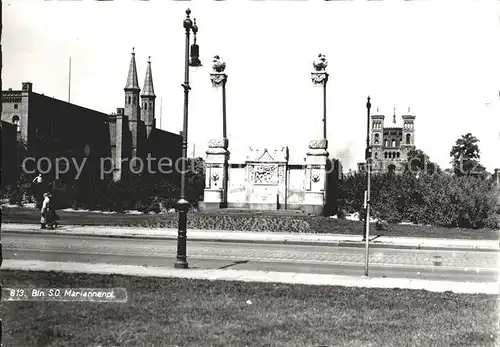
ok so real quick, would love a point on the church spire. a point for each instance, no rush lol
(394, 115)
(148, 89)
(132, 81)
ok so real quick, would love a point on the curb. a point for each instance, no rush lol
(256, 276)
(340, 243)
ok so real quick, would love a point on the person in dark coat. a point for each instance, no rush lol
(49, 215)
(43, 211)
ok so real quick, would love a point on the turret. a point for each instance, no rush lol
(408, 129)
(148, 100)
(132, 107)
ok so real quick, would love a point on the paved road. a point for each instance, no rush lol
(475, 266)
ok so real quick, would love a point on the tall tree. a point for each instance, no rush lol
(465, 156)
(419, 162)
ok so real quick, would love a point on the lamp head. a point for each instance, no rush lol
(194, 60)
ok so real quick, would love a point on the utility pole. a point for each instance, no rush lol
(367, 195)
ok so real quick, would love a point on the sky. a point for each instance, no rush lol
(440, 58)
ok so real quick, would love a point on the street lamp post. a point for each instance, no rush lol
(368, 173)
(183, 204)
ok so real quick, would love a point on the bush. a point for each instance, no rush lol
(431, 199)
(145, 193)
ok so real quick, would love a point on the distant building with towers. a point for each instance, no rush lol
(390, 143)
(54, 128)
(133, 128)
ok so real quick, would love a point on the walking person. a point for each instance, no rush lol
(43, 211)
(51, 216)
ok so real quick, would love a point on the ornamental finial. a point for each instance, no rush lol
(195, 28)
(218, 65)
(320, 63)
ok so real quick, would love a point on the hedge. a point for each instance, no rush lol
(145, 193)
(435, 199)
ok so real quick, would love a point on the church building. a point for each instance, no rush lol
(53, 128)
(391, 143)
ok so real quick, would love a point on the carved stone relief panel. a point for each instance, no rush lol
(263, 174)
(315, 177)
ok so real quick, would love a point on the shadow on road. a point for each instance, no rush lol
(233, 264)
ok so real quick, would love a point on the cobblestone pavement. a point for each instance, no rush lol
(442, 259)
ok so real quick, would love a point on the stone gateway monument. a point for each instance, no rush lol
(266, 180)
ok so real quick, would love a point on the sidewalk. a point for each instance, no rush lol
(258, 237)
(255, 276)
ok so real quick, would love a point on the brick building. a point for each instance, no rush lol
(51, 128)
(9, 153)
(391, 144)
(54, 128)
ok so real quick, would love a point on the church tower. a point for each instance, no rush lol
(132, 106)
(148, 101)
(408, 140)
(377, 138)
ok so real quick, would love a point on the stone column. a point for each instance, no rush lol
(320, 78)
(215, 195)
(316, 177)
(217, 163)
(315, 195)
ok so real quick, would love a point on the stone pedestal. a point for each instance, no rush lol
(266, 178)
(216, 176)
(315, 185)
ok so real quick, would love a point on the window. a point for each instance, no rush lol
(134, 100)
(393, 143)
(16, 121)
(16, 106)
(385, 155)
(408, 139)
(398, 154)
(145, 105)
(150, 105)
(386, 143)
(377, 136)
(128, 100)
